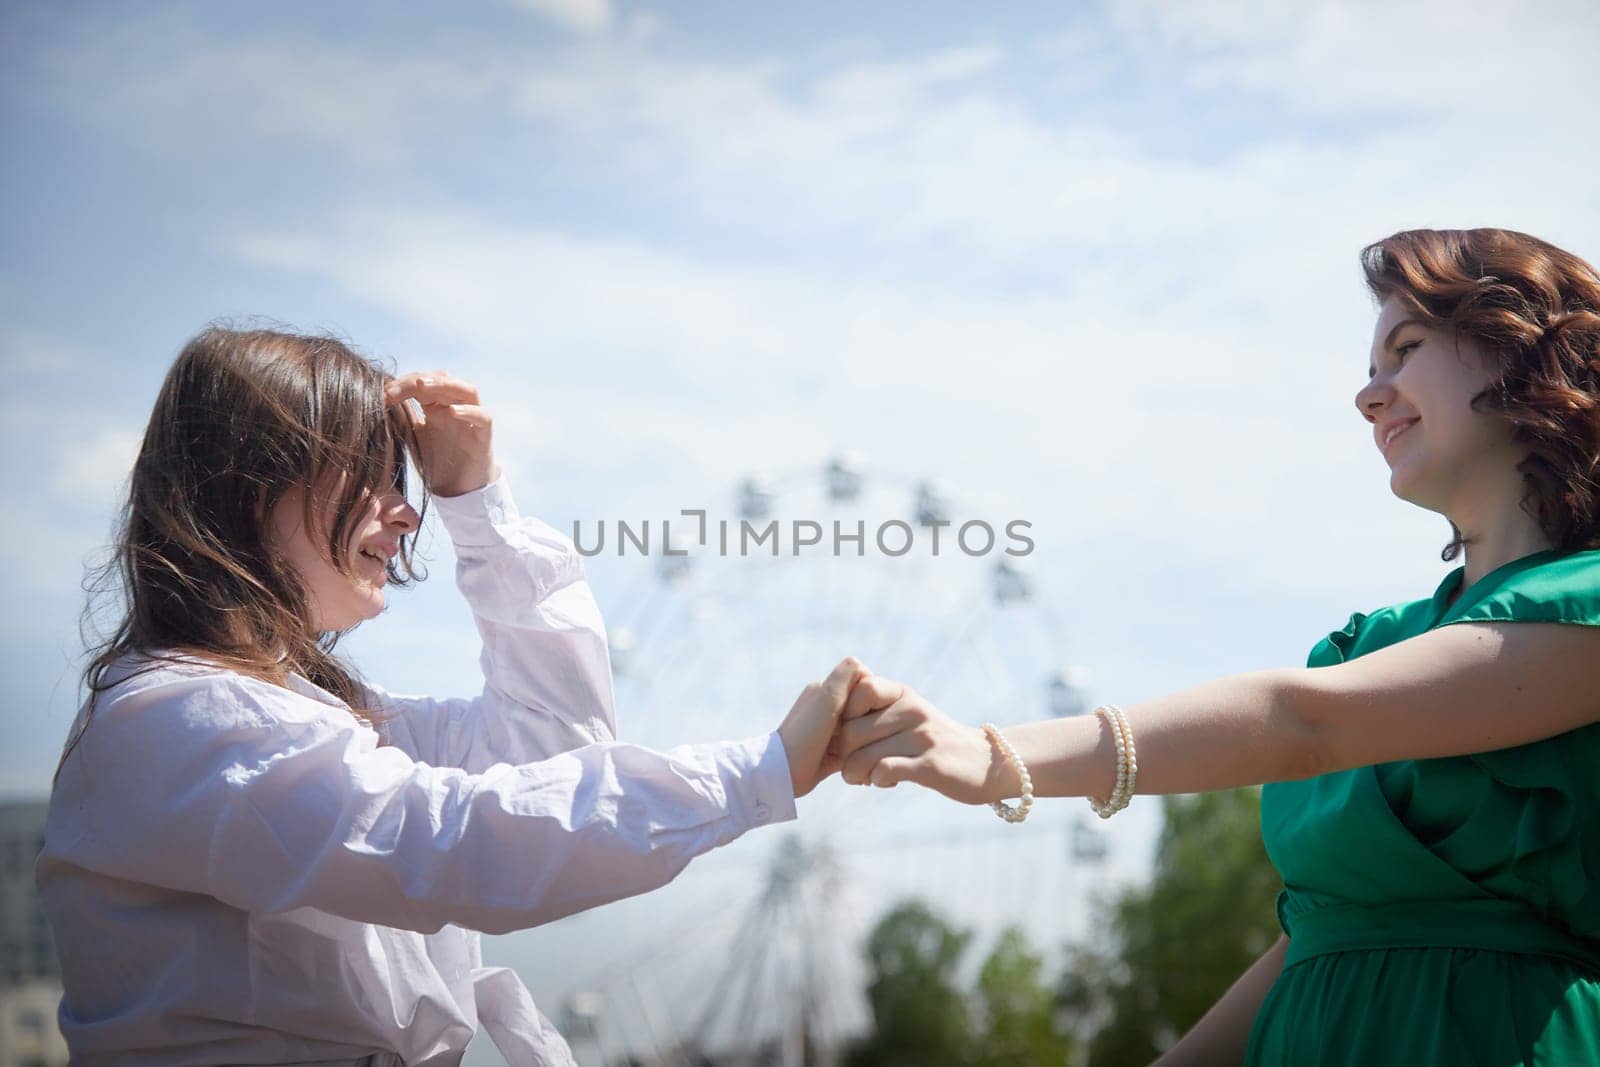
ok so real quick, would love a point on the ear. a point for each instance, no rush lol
(279, 520)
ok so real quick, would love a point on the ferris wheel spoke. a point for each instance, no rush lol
(745, 961)
(943, 659)
(653, 1026)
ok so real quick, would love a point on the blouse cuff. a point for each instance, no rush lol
(760, 788)
(471, 517)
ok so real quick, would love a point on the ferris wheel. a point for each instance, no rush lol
(752, 954)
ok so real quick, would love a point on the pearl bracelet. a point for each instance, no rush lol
(1127, 762)
(1001, 808)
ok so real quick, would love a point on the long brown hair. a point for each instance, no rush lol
(1535, 309)
(243, 416)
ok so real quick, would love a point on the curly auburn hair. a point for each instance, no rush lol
(1534, 309)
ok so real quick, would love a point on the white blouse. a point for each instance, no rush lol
(241, 873)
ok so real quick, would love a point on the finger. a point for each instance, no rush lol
(891, 771)
(419, 406)
(872, 693)
(411, 413)
(431, 387)
(472, 415)
(864, 730)
(432, 396)
(858, 765)
(425, 380)
(839, 680)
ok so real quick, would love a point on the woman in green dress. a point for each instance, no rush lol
(1432, 775)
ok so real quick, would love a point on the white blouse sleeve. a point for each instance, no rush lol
(268, 801)
(546, 665)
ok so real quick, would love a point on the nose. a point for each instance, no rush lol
(1373, 397)
(397, 511)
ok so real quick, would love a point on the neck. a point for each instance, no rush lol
(1497, 530)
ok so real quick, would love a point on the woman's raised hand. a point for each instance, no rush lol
(809, 727)
(892, 734)
(454, 432)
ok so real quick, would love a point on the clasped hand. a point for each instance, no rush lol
(876, 731)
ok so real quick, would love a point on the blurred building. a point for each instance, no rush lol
(30, 976)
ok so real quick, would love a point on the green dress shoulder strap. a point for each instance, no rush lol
(1542, 587)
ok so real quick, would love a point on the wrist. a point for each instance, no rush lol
(1001, 780)
(785, 746)
(468, 483)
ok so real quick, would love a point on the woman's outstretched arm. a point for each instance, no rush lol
(1462, 688)
(1221, 1035)
(213, 783)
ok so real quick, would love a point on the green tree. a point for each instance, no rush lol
(918, 1012)
(1171, 948)
(1018, 1007)
(922, 1017)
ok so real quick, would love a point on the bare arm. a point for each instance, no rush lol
(1223, 1032)
(1463, 688)
(1241, 730)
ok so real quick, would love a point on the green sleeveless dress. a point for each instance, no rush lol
(1444, 911)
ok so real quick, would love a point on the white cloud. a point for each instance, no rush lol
(30, 352)
(943, 153)
(589, 16)
(1493, 66)
(537, 291)
(939, 150)
(96, 466)
(186, 93)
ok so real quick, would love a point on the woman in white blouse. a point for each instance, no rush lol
(253, 856)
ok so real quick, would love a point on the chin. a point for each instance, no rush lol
(1405, 492)
(1408, 489)
(1397, 486)
(367, 608)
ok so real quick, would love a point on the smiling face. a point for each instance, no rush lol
(1441, 453)
(338, 601)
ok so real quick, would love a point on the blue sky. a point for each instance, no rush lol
(1094, 265)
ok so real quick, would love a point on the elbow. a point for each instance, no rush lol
(1304, 723)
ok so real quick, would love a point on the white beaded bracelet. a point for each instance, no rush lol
(1131, 761)
(1001, 808)
(1127, 762)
